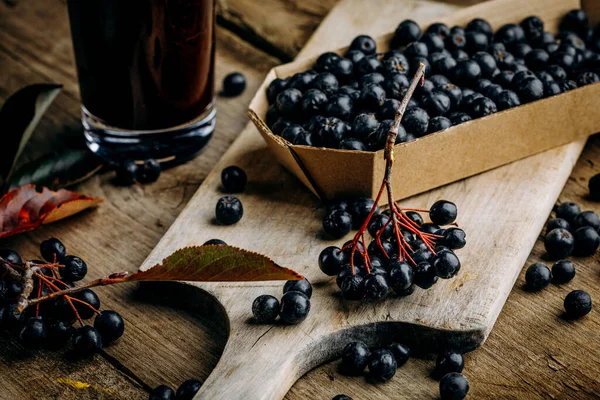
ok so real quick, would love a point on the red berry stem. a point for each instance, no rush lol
(396, 218)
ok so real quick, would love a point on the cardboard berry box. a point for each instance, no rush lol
(457, 152)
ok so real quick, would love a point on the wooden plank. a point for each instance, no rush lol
(261, 362)
(159, 335)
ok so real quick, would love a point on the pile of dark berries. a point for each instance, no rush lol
(348, 102)
(50, 324)
(186, 391)
(129, 173)
(292, 309)
(419, 255)
(229, 209)
(571, 232)
(383, 363)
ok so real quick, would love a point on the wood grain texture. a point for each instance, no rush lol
(530, 354)
(262, 362)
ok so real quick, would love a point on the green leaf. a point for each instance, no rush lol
(215, 263)
(57, 170)
(19, 116)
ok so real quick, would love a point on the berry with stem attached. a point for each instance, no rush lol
(52, 250)
(110, 326)
(74, 269)
(331, 260)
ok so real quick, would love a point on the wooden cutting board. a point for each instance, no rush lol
(502, 211)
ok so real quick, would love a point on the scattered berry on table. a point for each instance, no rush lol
(52, 250)
(331, 260)
(162, 392)
(337, 223)
(302, 286)
(233, 179)
(587, 241)
(568, 211)
(401, 353)
(558, 223)
(265, 308)
(295, 307)
(188, 389)
(86, 341)
(341, 397)
(215, 242)
(382, 365)
(149, 171)
(447, 362)
(355, 357)
(537, 277)
(234, 84)
(110, 326)
(453, 386)
(587, 218)
(559, 243)
(229, 210)
(594, 187)
(577, 304)
(127, 173)
(563, 271)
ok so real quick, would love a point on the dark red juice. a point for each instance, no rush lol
(144, 64)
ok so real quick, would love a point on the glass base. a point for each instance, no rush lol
(168, 146)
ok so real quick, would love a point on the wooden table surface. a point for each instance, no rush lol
(531, 353)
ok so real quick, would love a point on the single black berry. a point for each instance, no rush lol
(341, 397)
(507, 99)
(480, 25)
(360, 209)
(380, 222)
(453, 386)
(326, 61)
(229, 210)
(466, 72)
(352, 286)
(424, 275)
(34, 332)
(337, 224)
(563, 271)
(559, 243)
(214, 242)
(401, 353)
(443, 212)
(407, 32)
(558, 223)
(265, 308)
(530, 89)
(91, 298)
(577, 304)
(110, 326)
(382, 365)
(416, 121)
(449, 361)
(568, 211)
(401, 275)
(537, 277)
(415, 217)
(483, 106)
(436, 103)
(295, 307)
(301, 81)
(149, 171)
(234, 84)
(288, 102)
(339, 106)
(355, 357)
(587, 241)
(376, 286)
(233, 179)
(476, 42)
(52, 250)
(291, 132)
(372, 96)
(127, 173)
(276, 86)
(586, 218)
(533, 27)
(86, 341)
(162, 392)
(537, 59)
(302, 286)
(188, 389)
(10, 256)
(438, 28)
(574, 21)
(365, 44)
(454, 238)
(74, 269)
(331, 260)
(445, 264)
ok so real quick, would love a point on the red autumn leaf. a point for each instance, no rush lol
(215, 264)
(24, 209)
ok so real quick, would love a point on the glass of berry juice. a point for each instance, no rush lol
(146, 72)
